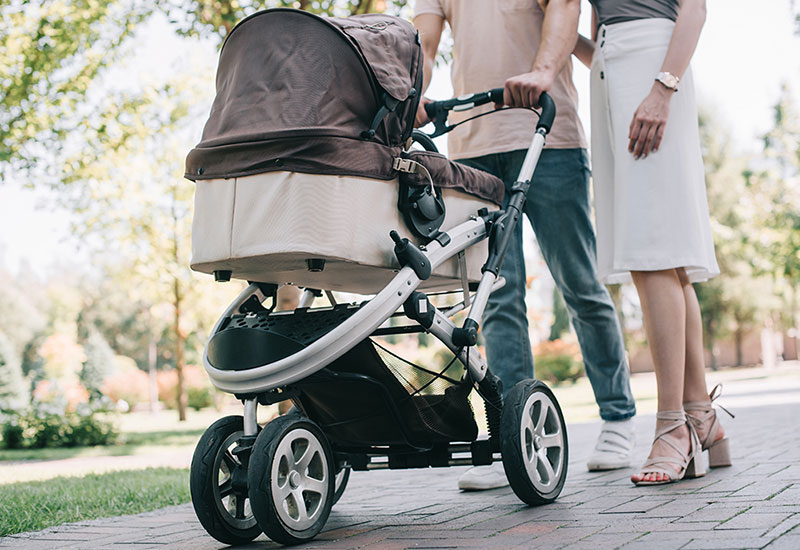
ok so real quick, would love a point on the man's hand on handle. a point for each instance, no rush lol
(524, 89)
(422, 117)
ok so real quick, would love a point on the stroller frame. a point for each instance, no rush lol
(282, 379)
(267, 378)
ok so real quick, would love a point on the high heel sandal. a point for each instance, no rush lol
(702, 414)
(688, 465)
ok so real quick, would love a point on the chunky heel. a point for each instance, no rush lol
(719, 454)
(704, 418)
(695, 468)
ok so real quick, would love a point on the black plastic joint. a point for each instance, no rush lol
(466, 335)
(442, 238)
(419, 309)
(409, 255)
(521, 186)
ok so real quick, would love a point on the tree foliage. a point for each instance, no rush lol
(53, 51)
(218, 17)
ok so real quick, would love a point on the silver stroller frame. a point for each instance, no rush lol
(538, 443)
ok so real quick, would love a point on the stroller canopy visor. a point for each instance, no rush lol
(299, 92)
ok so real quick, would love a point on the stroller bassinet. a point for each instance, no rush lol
(298, 160)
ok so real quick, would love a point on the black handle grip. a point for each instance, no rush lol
(548, 112)
(496, 95)
(430, 109)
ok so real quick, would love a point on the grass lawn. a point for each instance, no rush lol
(34, 505)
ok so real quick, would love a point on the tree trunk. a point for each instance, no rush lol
(616, 296)
(179, 359)
(152, 356)
(712, 344)
(738, 336)
(795, 328)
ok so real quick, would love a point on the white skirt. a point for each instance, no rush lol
(652, 213)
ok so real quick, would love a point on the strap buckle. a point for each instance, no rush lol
(409, 166)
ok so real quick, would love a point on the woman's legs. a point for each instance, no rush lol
(664, 308)
(695, 391)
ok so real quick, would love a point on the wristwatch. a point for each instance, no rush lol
(669, 80)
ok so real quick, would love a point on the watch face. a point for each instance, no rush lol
(668, 80)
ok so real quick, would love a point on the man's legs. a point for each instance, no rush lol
(558, 207)
(505, 324)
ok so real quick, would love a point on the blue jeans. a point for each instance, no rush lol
(558, 208)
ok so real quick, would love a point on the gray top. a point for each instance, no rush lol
(617, 11)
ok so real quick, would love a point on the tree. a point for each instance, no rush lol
(775, 185)
(741, 296)
(99, 362)
(560, 316)
(53, 52)
(218, 17)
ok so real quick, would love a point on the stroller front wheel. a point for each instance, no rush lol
(217, 484)
(291, 479)
(534, 443)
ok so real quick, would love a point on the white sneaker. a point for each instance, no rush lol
(481, 478)
(614, 446)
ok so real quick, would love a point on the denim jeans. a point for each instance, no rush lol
(558, 208)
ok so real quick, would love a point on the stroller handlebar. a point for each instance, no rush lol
(437, 110)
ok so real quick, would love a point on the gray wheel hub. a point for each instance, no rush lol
(300, 479)
(542, 440)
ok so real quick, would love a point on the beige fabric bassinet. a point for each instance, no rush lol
(265, 227)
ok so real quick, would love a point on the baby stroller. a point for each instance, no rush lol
(305, 176)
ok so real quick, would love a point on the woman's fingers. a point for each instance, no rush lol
(635, 132)
(649, 139)
(659, 135)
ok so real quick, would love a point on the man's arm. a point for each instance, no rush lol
(559, 34)
(430, 28)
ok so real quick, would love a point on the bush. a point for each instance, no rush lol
(200, 398)
(558, 361)
(54, 425)
(129, 383)
(199, 391)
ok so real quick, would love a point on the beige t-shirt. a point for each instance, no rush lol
(495, 40)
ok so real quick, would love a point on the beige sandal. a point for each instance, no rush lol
(686, 465)
(703, 417)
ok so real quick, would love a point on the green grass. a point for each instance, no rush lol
(131, 443)
(35, 505)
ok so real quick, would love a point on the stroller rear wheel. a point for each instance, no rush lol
(291, 479)
(534, 443)
(340, 483)
(218, 487)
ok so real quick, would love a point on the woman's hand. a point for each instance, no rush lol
(649, 120)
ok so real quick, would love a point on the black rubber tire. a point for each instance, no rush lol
(203, 479)
(260, 480)
(340, 483)
(516, 452)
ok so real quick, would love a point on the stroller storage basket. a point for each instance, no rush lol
(371, 396)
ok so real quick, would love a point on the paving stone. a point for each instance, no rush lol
(754, 504)
(752, 520)
(727, 544)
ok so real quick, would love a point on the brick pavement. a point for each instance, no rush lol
(754, 504)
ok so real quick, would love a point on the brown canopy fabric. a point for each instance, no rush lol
(453, 175)
(298, 92)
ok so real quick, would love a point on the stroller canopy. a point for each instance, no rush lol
(299, 92)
